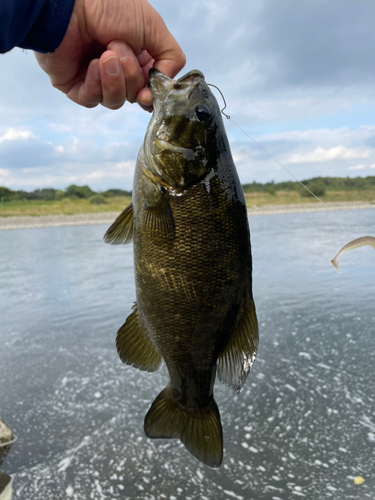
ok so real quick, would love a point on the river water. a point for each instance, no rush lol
(302, 426)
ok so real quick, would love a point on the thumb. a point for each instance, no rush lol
(161, 45)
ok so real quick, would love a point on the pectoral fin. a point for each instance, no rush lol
(134, 346)
(237, 358)
(121, 231)
(158, 214)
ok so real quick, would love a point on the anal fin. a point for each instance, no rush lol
(121, 231)
(134, 346)
(236, 360)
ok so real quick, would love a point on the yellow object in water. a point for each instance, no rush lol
(359, 242)
(358, 480)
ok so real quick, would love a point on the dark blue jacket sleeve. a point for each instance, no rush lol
(33, 24)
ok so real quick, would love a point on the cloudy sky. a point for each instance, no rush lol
(299, 77)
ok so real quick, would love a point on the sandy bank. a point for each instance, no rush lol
(309, 207)
(28, 222)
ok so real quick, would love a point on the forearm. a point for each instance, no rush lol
(39, 25)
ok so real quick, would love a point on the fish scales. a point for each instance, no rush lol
(193, 265)
(206, 253)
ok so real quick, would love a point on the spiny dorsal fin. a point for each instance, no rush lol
(235, 361)
(121, 231)
(134, 346)
(199, 429)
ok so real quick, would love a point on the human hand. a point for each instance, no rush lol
(107, 51)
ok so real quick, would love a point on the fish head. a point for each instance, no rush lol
(182, 140)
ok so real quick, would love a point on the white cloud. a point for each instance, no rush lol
(312, 144)
(211, 12)
(319, 155)
(300, 89)
(237, 34)
(125, 165)
(217, 12)
(34, 182)
(239, 156)
(32, 170)
(357, 167)
(16, 135)
(322, 135)
(3, 171)
(95, 175)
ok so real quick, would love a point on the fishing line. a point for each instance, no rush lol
(261, 147)
(269, 154)
(367, 240)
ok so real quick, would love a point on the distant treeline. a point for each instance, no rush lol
(318, 185)
(50, 194)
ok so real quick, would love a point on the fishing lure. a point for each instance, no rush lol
(352, 245)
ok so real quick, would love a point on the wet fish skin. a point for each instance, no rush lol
(193, 266)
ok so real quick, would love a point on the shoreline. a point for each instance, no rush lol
(43, 221)
(300, 208)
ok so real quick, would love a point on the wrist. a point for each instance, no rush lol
(49, 28)
(79, 19)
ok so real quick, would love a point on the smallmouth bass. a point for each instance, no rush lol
(193, 266)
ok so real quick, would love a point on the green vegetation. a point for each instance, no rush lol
(49, 194)
(98, 199)
(81, 199)
(74, 199)
(329, 189)
(320, 183)
(316, 186)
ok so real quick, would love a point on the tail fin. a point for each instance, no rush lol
(198, 429)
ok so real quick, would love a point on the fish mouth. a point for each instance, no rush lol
(192, 74)
(162, 144)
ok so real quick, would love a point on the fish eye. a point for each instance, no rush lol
(202, 113)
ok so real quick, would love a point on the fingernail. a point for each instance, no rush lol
(121, 49)
(96, 70)
(145, 102)
(112, 65)
(145, 97)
